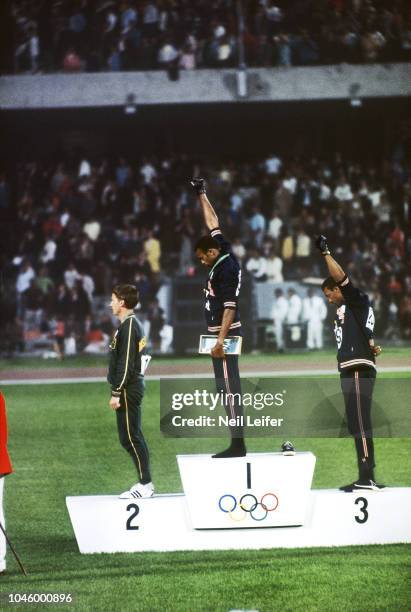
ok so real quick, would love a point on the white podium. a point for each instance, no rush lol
(105, 524)
(227, 500)
(259, 490)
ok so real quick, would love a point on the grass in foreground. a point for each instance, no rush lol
(63, 441)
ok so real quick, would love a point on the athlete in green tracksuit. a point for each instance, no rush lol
(128, 362)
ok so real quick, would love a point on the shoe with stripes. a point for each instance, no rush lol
(362, 484)
(138, 491)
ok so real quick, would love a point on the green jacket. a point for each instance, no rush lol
(128, 356)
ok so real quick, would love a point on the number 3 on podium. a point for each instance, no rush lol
(363, 509)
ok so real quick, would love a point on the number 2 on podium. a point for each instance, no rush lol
(136, 509)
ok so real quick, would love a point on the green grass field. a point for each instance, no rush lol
(63, 441)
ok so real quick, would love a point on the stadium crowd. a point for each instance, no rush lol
(112, 35)
(77, 228)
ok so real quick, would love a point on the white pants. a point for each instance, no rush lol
(314, 334)
(2, 538)
(279, 333)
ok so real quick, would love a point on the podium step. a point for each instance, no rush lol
(162, 523)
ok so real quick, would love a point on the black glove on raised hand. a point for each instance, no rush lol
(321, 244)
(198, 185)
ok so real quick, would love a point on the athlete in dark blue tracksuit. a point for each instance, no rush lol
(222, 316)
(353, 327)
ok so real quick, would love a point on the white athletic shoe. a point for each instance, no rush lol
(138, 490)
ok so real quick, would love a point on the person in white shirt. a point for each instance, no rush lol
(24, 277)
(302, 244)
(238, 249)
(279, 314)
(294, 307)
(148, 172)
(273, 165)
(274, 225)
(34, 49)
(71, 276)
(167, 54)
(314, 313)
(274, 268)
(257, 265)
(48, 252)
(84, 168)
(343, 191)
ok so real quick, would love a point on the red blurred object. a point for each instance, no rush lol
(5, 463)
(72, 62)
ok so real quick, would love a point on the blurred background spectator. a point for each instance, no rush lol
(93, 35)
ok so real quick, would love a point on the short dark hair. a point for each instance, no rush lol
(205, 243)
(128, 293)
(329, 283)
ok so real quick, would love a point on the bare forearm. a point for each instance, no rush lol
(334, 269)
(210, 217)
(228, 318)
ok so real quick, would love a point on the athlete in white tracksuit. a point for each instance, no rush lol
(294, 307)
(279, 314)
(314, 313)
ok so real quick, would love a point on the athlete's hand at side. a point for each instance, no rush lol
(217, 350)
(114, 403)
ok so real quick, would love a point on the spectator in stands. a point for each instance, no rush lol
(283, 44)
(168, 55)
(343, 191)
(187, 59)
(148, 172)
(33, 305)
(272, 165)
(238, 249)
(257, 225)
(48, 252)
(274, 34)
(150, 19)
(372, 43)
(152, 248)
(256, 265)
(71, 275)
(72, 61)
(44, 281)
(302, 247)
(25, 276)
(274, 267)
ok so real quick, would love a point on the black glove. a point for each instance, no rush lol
(321, 244)
(198, 185)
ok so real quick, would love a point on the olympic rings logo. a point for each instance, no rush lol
(248, 505)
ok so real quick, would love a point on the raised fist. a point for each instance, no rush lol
(198, 185)
(321, 244)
